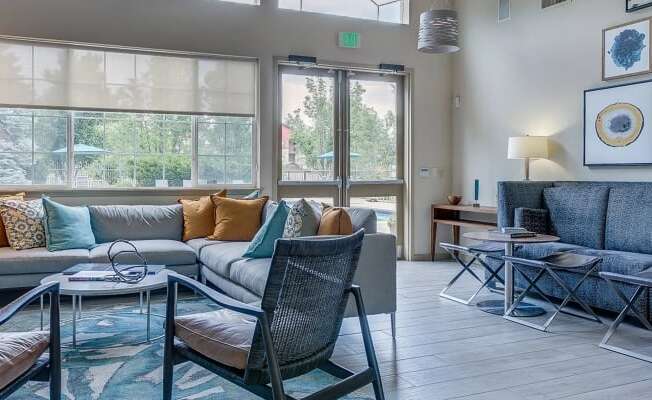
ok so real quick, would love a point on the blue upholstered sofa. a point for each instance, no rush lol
(612, 220)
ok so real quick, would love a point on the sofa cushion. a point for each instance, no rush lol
(136, 222)
(251, 274)
(23, 222)
(335, 221)
(363, 218)
(303, 219)
(67, 227)
(222, 335)
(629, 218)
(532, 219)
(199, 243)
(19, 351)
(218, 258)
(237, 220)
(39, 260)
(262, 245)
(541, 250)
(4, 242)
(620, 262)
(578, 214)
(199, 217)
(164, 252)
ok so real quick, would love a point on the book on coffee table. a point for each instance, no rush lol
(511, 233)
(90, 276)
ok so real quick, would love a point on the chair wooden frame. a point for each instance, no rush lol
(176, 352)
(47, 368)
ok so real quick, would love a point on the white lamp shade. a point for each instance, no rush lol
(524, 147)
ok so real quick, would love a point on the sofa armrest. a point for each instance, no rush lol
(376, 275)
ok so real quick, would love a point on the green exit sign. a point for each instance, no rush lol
(349, 40)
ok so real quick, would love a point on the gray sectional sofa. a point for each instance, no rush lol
(157, 231)
(612, 220)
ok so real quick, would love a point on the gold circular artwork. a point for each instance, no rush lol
(619, 124)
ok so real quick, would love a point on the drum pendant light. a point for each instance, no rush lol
(439, 29)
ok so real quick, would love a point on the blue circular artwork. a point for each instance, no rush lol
(619, 124)
(627, 48)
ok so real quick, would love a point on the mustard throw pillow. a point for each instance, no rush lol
(199, 217)
(335, 221)
(4, 242)
(237, 220)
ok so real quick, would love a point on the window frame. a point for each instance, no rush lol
(405, 12)
(69, 185)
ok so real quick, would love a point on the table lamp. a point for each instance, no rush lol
(527, 148)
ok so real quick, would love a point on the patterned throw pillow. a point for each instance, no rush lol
(303, 220)
(23, 222)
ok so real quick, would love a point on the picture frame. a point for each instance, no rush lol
(616, 128)
(635, 5)
(627, 50)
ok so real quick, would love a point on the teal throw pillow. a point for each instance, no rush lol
(67, 227)
(262, 246)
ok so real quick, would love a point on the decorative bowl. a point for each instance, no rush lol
(454, 199)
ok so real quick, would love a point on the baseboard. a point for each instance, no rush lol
(426, 257)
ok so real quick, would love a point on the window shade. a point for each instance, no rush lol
(42, 75)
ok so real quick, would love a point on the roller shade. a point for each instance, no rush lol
(44, 75)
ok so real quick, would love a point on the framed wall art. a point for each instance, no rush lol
(617, 122)
(626, 50)
(635, 5)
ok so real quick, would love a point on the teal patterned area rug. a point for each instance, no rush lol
(134, 371)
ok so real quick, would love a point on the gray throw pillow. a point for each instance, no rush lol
(303, 220)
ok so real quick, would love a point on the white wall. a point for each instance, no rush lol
(263, 32)
(527, 75)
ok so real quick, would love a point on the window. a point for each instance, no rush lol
(33, 146)
(93, 118)
(395, 11)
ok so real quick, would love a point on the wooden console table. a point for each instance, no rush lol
(451, 215)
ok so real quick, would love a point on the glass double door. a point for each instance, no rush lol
(341, 140)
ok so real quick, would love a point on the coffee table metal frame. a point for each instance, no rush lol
(105, 288)
(590, 264)
(509, 268)
(642, 282)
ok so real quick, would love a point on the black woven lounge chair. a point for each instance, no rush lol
(23, 356)
(292, 333)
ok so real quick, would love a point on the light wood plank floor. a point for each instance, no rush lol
(445, 350)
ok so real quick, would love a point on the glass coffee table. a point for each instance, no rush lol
(78, 290)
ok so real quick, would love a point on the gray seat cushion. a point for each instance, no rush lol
(199, 244)
(363, 218)
(629, 218)
(578, 214)
(39, 260)
(542, 250)
(165, 252)
(251, 274)
(136, 222)
(218, 258)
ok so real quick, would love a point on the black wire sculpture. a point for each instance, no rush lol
(127, 274)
